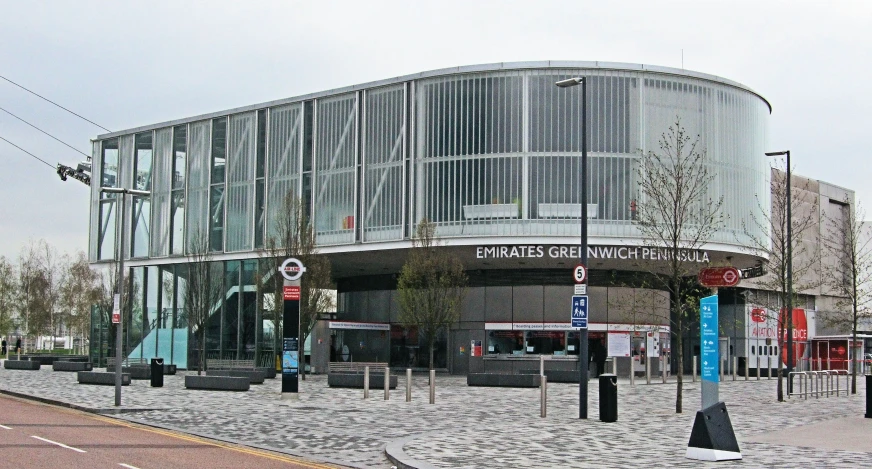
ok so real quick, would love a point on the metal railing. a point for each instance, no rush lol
(819, 383)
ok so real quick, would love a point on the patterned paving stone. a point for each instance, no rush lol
(468, 427)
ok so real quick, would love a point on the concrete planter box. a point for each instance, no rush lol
(253, 376)
(71, 366)
(21, 365)
(355, 380)
(135, 372)
(503, 380)
(217, 383)
(100, 377)
(50, 359)
(555, 376)
(270, 371)
(169, 369)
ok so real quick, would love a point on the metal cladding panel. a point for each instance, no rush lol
(335, 169)
(160, 192)
(283, 161)
(240, 182)
(197, 208)
(383, 157)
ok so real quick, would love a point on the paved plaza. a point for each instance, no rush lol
(475, 427)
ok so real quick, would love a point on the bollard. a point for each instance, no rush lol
(746, 369)
(608, 398)
(387, 383)
(432, 386)
(693, 373)
(648, 370)
(758, 367)
(366, 382)
(632, 372)
(663, 367)
(408, 385)
(543, 395)
(735, 363)
(615, 366)
(541, 365)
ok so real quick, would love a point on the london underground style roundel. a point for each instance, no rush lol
(292, 269)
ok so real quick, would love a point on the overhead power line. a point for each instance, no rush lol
(43, 131)
(56, 104)
(29, 153)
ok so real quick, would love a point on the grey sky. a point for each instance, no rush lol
(126, 64)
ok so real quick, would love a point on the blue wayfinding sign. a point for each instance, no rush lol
(708, 327)
(579, 312)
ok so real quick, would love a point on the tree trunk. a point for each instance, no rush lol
(431, 342)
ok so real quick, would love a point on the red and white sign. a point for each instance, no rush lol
(291, 292)
(579, 274)
(292, 269)
(116, 317)
(800, 334)
(116, 309)
(719, 277)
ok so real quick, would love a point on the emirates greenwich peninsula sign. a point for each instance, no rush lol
(534, 251)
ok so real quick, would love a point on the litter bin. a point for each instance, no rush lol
(608, 397)
(157, 372)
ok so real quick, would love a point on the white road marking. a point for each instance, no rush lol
(59, 444)
(128, 466)
(5, 427)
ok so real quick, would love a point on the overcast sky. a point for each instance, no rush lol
(127, 64)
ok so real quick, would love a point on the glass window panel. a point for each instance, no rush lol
(109, 163)
(160, 192)
(219, 149)
(196, 210)
(216, 218)
(106, 244)
(141, 217)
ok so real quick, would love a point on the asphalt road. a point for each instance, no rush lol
(34, 435)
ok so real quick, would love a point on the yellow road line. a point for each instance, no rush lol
(201, 440)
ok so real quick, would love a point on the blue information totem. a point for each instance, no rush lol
(709, 360)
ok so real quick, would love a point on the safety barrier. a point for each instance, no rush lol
(818, 383)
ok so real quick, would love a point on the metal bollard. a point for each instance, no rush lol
(746, 369)
(541, 365)
(663, 367)
(615, 366)
(408, 385)
(366, 382)
(387, 383)
(432, 386)
(632, 372)
(648, 370)
(693, 373)
(543, 395)
(735, 364)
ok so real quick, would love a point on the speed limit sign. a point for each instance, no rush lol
(579, 274)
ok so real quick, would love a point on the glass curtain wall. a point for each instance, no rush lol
(179, 169)
(241, 172)
(142, 173)
(160, 192)
(335, 169)
(107, 202)
(384, 161)
(218, 174)
(283, 173)
(197, 208)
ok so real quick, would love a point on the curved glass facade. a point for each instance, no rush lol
(482, 154)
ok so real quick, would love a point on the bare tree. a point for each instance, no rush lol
(777, 245)
(80, 289)
(8, 295)
(847, 239)
(431, 286)
(203, 290)
(294, 237)
(678, 215)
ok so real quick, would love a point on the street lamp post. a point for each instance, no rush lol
(583, 348)
(119, 327)
(789, 312)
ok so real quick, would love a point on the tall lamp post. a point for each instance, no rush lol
(583, 349)
(789, 312)
(118, 328)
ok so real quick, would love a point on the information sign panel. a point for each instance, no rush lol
(579, 312)
(708, 327)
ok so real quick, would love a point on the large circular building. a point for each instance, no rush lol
(491, 154)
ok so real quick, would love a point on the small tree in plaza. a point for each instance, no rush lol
(8, 296)
(80, 288)
(849, 274)
(431, 286)
(294, 236)
(677, 215)
(203, 291)
(777, 245)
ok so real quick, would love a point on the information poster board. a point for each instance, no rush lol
(619, 344)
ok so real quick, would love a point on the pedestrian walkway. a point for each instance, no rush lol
(472, 427)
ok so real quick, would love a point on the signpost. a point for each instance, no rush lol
(714, 277)
(292, 270)
(579, 312)
(708, 327)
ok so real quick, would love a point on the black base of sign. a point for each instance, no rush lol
(712, 437)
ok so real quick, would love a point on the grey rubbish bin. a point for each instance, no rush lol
(608, 397)
(157, 372)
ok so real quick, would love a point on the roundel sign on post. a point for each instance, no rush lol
(719, 277)
(292, 269)
(579, 274)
